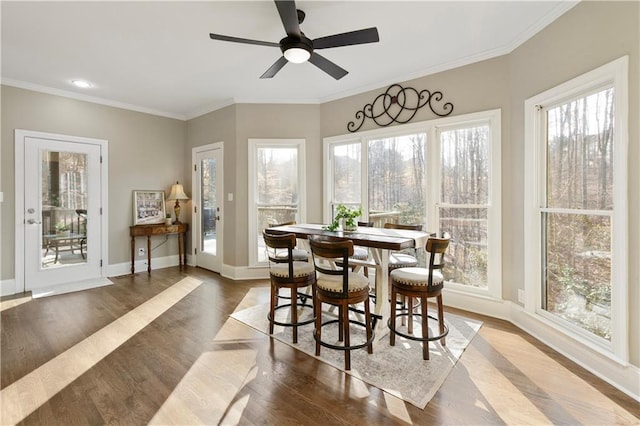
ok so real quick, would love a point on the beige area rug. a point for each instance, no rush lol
(387, 368)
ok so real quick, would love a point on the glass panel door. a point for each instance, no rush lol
(62, 212)
(208, 199)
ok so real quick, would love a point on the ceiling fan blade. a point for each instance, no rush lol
(273, 69)
(242, 40)
(289, 17)
(368, 35)
(327, 66)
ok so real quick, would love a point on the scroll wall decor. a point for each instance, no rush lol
(399, 105)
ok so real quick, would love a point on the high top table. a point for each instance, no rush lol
(381, 242)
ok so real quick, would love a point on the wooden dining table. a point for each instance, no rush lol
(381, 242)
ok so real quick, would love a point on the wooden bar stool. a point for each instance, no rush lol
(285, 272)
(342, 288)
(421, 283)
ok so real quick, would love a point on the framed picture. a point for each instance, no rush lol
(148, 207)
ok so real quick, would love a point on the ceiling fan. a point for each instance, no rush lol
(297, 48)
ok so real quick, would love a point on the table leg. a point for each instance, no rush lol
(383, 308)
(180, 248)
(133, 259)
(56, 242)
(149, 254)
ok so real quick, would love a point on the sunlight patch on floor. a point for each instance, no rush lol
(504, 398)
(211, 391)
(12, 303)
(559, 382)
(25, 395)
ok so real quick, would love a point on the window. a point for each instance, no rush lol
(577, 207)
(464, 201)
(443, 174)
(276, 182)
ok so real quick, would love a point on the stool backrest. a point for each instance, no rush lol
(412, 227)
(280, 241)
(435, 248)
(291, 222)
(326, 251)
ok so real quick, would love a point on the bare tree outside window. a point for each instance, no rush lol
(464, 197)
(397, 187)
(577, 218)
(277, 188)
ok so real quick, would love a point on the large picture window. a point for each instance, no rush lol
(577, 207)
(443, 174)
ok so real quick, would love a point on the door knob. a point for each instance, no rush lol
(33, 222)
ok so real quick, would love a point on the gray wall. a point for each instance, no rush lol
(234, 126)
(589, 35)
(145, 152)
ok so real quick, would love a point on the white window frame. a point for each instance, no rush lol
(432, 156)
(614, 74)
(253, 146)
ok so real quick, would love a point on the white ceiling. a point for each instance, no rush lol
(157, 57)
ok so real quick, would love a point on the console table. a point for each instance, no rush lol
(160, 229)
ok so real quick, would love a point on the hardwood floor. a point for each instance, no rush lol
(161, 349)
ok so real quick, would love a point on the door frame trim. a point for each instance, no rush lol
(20, 137)
(195, 223)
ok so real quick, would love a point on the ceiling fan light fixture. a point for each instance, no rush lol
(297, 55)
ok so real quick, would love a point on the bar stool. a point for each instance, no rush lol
(285, 272)
(342, 288)
(421, 283)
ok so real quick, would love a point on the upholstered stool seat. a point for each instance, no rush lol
(357, 282)
(415, 276)
(401, 260)
(298, 254)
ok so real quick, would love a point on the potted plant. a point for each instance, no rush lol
(167, 220)
(345, 217)
(62, 229)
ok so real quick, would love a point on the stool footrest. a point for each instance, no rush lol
(342, 347)
(414, 337)
(290, 324)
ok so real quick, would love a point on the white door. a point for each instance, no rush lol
(61, 212)
(208, 201)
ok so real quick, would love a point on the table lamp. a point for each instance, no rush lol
(177, 193)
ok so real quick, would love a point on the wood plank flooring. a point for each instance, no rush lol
(137, 352)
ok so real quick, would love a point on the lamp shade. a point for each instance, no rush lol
(177, 192)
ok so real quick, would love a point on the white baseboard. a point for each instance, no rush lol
(124, 268)
(8, 287)
(244, 273)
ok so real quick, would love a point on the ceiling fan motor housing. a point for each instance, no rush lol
(293, 42)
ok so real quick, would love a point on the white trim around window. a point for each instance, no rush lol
(615, 75)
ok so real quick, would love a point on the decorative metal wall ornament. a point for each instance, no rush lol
(399, 105)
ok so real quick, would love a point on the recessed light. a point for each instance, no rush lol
(83, 84)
